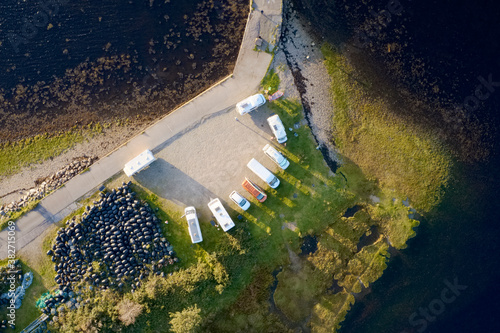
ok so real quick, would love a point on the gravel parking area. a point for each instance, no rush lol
(209, 159)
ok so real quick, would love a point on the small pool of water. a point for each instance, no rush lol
(309, 245)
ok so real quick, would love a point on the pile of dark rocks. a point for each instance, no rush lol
(116, 245)
(48, 184)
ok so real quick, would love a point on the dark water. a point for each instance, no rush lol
(109, 59)
(309, 245)
(87, 30)
(455, 42)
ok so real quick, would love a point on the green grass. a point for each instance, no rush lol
(23, 153)
(37, 149)
(270, 82)
(330, 312)
(297, 292)
(367, 131)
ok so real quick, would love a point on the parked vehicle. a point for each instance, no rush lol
(250, 103)
(239, 200)
(193, 224)
(138, 163)
(263, 173)
(277, 128)
(276, 156)
(220, 214)
(254, 190)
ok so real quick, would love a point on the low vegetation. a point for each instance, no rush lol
(270, 82)
(29, 151)
(32, 150)
(386, 147)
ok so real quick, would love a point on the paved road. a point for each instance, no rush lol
(250, 67)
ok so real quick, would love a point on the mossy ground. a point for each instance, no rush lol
(388, 148)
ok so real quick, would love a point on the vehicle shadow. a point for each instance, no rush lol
(168, 182)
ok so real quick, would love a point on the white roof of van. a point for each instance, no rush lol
(139, 162)
(250, 103)
(220, 214)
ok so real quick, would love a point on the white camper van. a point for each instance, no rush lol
(220, 214)
(250, 103)
(193, 224)
(277, 128)
(263, 173)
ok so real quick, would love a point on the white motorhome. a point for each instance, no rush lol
(263, 173)
(193, 224)
(250, 103)
(277, 128)
(220, 214)
(139, 163)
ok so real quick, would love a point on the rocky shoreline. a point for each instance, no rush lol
(45, 185)
(300, 49)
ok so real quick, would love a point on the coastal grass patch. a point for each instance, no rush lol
(393, 220)
(270, 82)
(384, 146)
(39, 148)
(330, 311)
(297, 291)
(250, 312)
(382, 206)
(36, 149)
(365, 267)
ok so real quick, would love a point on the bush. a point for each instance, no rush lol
(186, 321)
(128, 310)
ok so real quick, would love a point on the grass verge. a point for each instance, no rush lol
(270, 82)
(22, 153)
